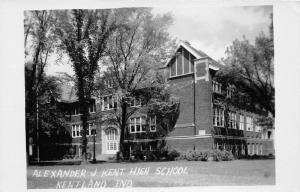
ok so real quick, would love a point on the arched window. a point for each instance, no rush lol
(112, 140)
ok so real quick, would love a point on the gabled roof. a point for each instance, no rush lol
(198, 54)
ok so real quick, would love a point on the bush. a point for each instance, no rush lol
(172, 155)
(196, 156)
(216, 155)
(227, 156)
(156, 155)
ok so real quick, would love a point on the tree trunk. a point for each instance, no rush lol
(84, 109)
(123, 127)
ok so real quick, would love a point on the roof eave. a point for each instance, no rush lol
(195, 54)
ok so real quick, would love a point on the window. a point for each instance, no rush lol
(232, 120)
(217, 87)
(258, 128)
(218, 119)
(230, 91)
(75, 110)
(91, 126)
(108, 83)
(76, 128)
(109, 102)
(242, 122)
(93, 106)
(249, 123)
(137, 124)
(249, 149)
(152, 124)
(135, 102)
(181, 63)
(112, 140)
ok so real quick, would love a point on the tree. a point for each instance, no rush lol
(251, 69)
(39, 44)
(136, 50)
(52, 133)
(83, 37)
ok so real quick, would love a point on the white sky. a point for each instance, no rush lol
(209, 29)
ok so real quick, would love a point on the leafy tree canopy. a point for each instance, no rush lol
(250, 68)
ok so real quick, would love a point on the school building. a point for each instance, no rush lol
(204, 121)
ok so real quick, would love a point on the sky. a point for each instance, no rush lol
(210, 29)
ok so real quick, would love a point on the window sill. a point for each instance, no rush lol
(108, 109)
(180, 76)
(219, 126)
(137, 132)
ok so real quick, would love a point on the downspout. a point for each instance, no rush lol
(195, 132)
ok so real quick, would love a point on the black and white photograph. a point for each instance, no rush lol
(129, 97)
(150, 97)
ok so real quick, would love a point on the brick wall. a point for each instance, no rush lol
(184, 145)
(203, 97)
(185, 130)
(183, 89)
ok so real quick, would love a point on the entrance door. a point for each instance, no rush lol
(112, 141)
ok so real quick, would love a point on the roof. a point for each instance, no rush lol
(198, 54)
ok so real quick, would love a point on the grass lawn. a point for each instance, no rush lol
(153, 174)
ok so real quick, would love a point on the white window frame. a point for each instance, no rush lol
(108, 83)
(249, 123)
(91, 126)
(249, 148)
(258, 128)
(230, 91)
(76, 128)
(76, 111)
(242, 122)
(232, 120)
(218, 117)
(109, 98)
(112, 140)
(216, 87)
(133, 122)
(92, 108)
(137, 102)
(150, 124)
(73, 131)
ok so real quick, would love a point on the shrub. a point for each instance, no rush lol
(191, 156)
(162, 154)
(172, 155)
(205, 155)
(227, 156)
(216, 155)
(196, 156)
